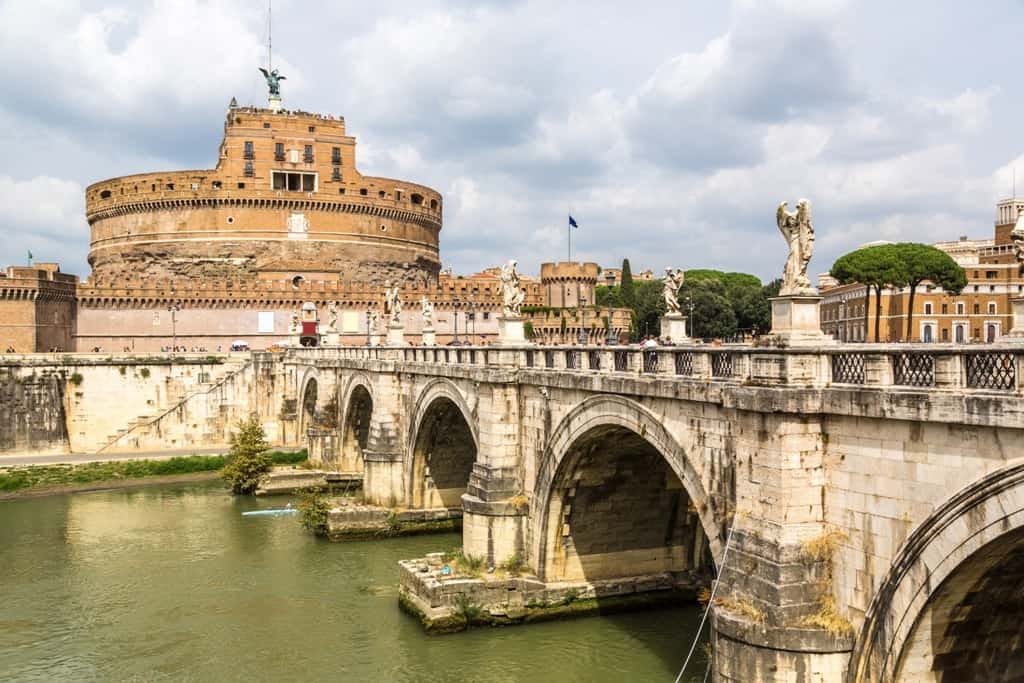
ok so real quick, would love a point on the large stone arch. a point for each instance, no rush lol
(967, 526)
(615, 411)
(308, 385)
(438, 395)
(356, 401)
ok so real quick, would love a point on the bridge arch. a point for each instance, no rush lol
(648, 451)
(443, 446)
(308, 396)
(355, 417)
(956, 579)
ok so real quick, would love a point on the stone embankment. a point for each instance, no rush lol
(352, 520)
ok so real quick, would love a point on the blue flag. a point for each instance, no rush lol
(572, 222)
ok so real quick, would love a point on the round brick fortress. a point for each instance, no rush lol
(284, 201)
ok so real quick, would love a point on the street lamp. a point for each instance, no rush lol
(581, 337)
(609, 277)
(455, 313)
(689, 306)
(173, 309)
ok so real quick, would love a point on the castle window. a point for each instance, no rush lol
(959, 307)
(335, 155)
(249, 151)
(278, 151)
(945, 309)
(382, 194)
(433, 204)
(170, 186)
(312, 129)
(217, 184)
(341, 190)
(248, 169)
(991, 307)
(266, 124)
(362, 191)
(336, 173)
(241, 186)
(307, 154)
(991, 274)
(105, 194)
(293, 181)
(977, 310)
(296, 281)
(152, 188)
(416, 198)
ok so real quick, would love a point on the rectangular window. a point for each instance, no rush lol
(278, 151)
(991, 274)
(307, 154)
(293, 181)
(928, 309)
(945, 309)
(335, 155)
(977, 309)
(945, 334)
(959, 307)
(336, 173)
(248, 169)
(991, 307)
(265, 322)
(249, 151)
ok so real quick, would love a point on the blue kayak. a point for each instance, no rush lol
(270, 513)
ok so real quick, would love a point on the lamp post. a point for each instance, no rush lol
(173, 309)
(581, 336)
(689, 305)
(610, 339)
(455, 314)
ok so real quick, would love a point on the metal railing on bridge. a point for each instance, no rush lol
(993, 368)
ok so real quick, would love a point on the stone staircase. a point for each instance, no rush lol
(208, 429)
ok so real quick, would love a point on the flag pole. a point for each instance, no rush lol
(568, 226)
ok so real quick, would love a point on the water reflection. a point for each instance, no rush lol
(174, 584)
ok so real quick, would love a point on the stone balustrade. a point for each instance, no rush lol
(992, 368)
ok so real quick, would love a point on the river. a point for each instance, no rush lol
(171, 583)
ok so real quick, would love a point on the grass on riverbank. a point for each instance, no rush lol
(41, 476)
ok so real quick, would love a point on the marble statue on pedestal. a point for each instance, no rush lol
(332, 317)
(1017, 236)
(428, 313)
(374, 322)
(393, 303)
(796, 228)
(670, 291)
(511, 291)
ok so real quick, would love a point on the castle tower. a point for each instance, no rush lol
(568, 284)
(284, 202)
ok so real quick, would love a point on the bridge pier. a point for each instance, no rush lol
(493, 516)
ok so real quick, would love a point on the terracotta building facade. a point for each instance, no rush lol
(981, 313)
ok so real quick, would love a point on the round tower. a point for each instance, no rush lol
(568, 284)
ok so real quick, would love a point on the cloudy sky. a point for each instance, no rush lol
(669, 130)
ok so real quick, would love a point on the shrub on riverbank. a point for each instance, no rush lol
(314, 508)
(41, 476)
(248, 460)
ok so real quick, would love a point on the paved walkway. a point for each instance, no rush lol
(78, 458)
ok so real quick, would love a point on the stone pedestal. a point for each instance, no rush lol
(1016, 333)
(396, 334)
(275, 103)
(673, 327)
(295, 340)
(511, 331)
(796, 321)
(429, 337)
(332, 338)
(374, 339)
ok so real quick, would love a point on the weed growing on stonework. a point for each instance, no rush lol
(467, 609)
(571, 596)
(248, 460)
(144, 372)
(514, 565)
(314, 509)
(393, 523)
(76, 379)
(473, 566)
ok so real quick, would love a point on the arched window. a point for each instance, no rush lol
(927, 334)
(959, 334)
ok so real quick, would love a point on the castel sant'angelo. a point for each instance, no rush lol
(283, 222)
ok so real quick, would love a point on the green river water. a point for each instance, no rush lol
(171, 583)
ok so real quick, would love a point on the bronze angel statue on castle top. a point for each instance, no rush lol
(796, 228)
(273, 80)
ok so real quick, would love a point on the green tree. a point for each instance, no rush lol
(875, 267)
(626, 290)
(248, 459)
(648, 307)
(922, 262)
(713, 316)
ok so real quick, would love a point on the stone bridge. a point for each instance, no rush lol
(864, 504)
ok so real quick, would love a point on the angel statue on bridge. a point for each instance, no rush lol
(273, 80)
(512, 293)
(393, 302)
(796, 228)
(670, 291)
(1017, 237)
(428, 313)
